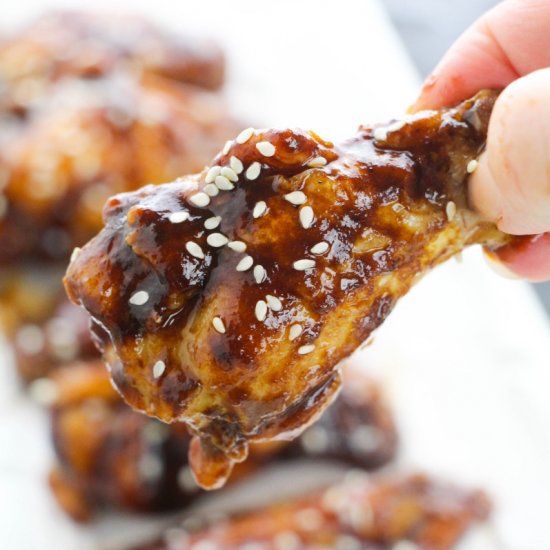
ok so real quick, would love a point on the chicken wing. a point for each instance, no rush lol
(86, 45)
(110, 455)
(227, 300)
(90, 140)
(360, 513)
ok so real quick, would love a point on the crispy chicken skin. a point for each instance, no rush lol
(110, 455)
(90, 140)
(86, 45)
(360, 513)
(232, 312)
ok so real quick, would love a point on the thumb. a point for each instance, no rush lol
(511, 185)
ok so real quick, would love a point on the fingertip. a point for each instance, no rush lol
(527, 257)
(512, 183)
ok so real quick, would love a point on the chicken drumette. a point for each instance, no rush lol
(110, 455)
(90, 140)
(227, 300)
(86, 45)
(360, 513)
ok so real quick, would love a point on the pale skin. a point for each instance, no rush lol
(508, 48)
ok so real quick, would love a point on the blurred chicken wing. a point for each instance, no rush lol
(110, 455)
(361, 513)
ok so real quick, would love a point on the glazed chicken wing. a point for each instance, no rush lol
(360, 513)
(86, 45)
(90, 140)
(110, 455)
(227, 300)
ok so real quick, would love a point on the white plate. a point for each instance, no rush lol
(466, 356)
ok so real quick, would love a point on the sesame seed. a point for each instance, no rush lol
(178, 217)
(273, 302)
(229, 173)
(334, 500)
(211, 190)
(205, 544)
(396, 126)
(217, 323)
(405, 545)
(309, 519)
(212, 173)
(359, 518)
(260, 209)
(236, 165)
(174, 536)
(244, 136)
(245, 263)
(253, 171)
(472, 166)
(44, 391)
(304, 350)
(450, 210)
(187, 483)
(348, 542)
(315, 440)
(320, 248)
(200, 199)
(260, 310)
(213, 222)
(155, 432)
(302, 265)
(194, 249)
(397, 207)
(226, 147)
(139, 298)
(266, 148)
(237, 246)
(158, 369)
(296, 197)
(365, 439)
(150, 466)
(223, 183)
(287, 540)
(317, 162)
(259, 273)
(306, 216)
(75, 253)
(217, 239)
(380, 134)
(30, 338)
(294, 332)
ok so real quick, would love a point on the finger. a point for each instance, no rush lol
(509, 41)
(511, 185)
(528, 259)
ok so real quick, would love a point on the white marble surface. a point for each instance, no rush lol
(465, 356)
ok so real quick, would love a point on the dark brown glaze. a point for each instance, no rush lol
(107, 454)
(86, 45)
(361, 513)
(111, 456)
(358, 428)
(90, 140)
(381, 203)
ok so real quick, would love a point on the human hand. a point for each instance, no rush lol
(509, 47)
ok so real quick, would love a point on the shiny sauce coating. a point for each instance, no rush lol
(227, 300)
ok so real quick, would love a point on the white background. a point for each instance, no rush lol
(465, 357)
